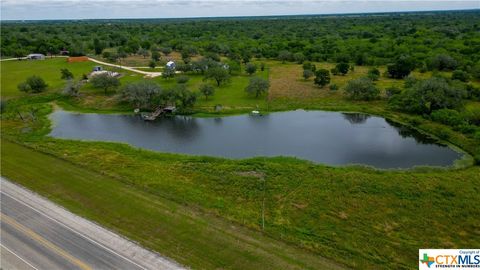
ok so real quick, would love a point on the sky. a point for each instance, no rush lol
(106, 9)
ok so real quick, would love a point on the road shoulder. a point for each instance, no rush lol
(95, 233)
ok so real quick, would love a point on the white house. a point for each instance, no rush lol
(170, 65)
(36, 56)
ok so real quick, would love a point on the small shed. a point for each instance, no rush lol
(36, 56)
(170, 65)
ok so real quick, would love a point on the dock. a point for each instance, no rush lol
(159, 111)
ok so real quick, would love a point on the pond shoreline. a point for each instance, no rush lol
(466, 161)
(463, 160)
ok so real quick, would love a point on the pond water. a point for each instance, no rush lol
(324, 137)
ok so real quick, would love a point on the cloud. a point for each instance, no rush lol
(85, 9)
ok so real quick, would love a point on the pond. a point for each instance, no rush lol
(332, 138)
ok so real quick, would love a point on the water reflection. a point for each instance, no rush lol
(356, 118)
(325, 137)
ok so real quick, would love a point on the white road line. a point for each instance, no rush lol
(27, 263)
(79, 233)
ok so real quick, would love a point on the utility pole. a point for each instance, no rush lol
(263, 202)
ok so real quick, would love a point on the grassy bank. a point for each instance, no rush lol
(182, 233)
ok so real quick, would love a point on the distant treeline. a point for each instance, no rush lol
(361, 40)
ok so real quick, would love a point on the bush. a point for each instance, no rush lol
(473, 116)
(307, 74)
(460, 75)
(391, 91)
(250, 68)
(309, 66)
(33, 84)
(427, 96)
(334, 71)
(342, 68)
(183, 79)
(443, 134)
(72, 88)
(142, 94)
(3, 105)
(373, 74)
(66, 74)
(322, 77)
(362, 89)
(466, 129)
(410, 81)
(299, 57)
(448, 117)
(401, 68)
(207, 90)
(105, 82)
(257, 86)
(443, 62)
(333, 87)
(472, 92)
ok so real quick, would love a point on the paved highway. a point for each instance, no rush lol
(31, 239)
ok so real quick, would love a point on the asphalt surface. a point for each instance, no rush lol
(31, 240)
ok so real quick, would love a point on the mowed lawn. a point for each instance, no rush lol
(15, 72)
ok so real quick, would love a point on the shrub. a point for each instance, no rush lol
(257, 86)
(3, 105)
(322, 77)
(443, 62)
(473, 116)
(152, 64)
(307, 74)
(466, 128)
(299, 57)
(105, 82)
(410, 81)
(427, 96)
(401, 68)
(207, 90)
(443, 134)
(142, 94)
(309, 66)
(183, 79)
(250, 68)
(66, 74)
(362, 89)
(33, 84)
(72, 88)
(391, 91)
(472, 92)
(373, 74)
(460, 75)
(342, 68)
(448, 117)
(333, 87)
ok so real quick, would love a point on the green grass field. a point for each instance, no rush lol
(207, 212)
(15, 72)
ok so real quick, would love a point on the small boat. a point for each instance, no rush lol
(256, 112)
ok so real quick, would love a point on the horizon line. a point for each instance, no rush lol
(247, 16)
